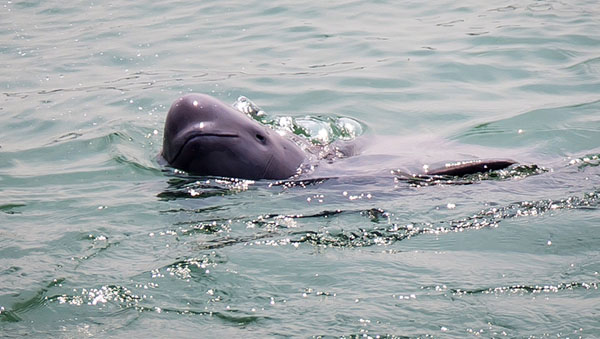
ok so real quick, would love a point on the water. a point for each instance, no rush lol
(96, 240)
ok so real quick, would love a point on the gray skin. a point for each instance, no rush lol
(203, 136)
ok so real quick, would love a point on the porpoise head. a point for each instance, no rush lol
(204, 136)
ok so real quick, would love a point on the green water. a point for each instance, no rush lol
(96, 240)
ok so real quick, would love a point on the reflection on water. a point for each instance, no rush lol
(98, 239)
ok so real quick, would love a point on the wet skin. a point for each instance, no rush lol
(204, 136)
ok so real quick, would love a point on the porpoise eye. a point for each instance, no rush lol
(260, 137)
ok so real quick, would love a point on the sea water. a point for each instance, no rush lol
(97, 239)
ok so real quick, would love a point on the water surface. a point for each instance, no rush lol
(96, 240)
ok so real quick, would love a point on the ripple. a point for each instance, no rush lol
(562, 128)
(589, 66)
(38, 299)
(393, 231)
(279, 230)
(113, 294)
(190, 187)
(591, 160)
(529, 289)
(68, 136)
(10, 208)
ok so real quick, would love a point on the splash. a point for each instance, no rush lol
(321, 130)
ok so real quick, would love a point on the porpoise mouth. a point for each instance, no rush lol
(222, 135)
(196, 135)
